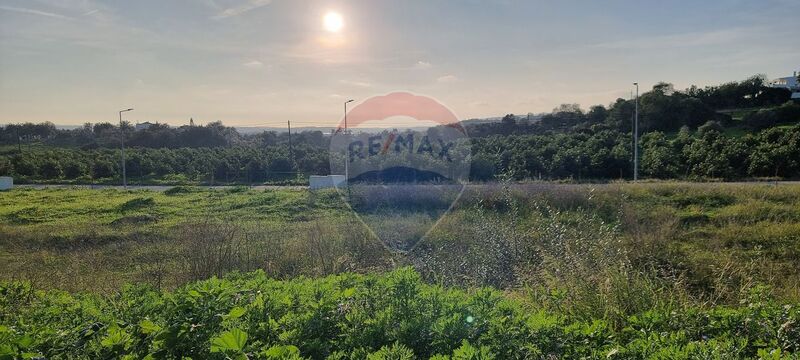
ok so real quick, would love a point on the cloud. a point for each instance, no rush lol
(362, 84)
(422, 65)
(254, 64)
(34, 12)
(447, 79)
(243, 8)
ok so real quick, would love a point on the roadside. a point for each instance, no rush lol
(155, 187)
(301, 187)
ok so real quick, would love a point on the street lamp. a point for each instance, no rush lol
(122, 142)
(636, 137)
(347, 157)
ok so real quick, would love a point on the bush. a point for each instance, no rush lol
(788, 113)
(760, 119)
(50, 169)
(6, 168)
(103, 169)
(181, 189)
(137, 203)
(391, 316)
(24, 166)
(74, 169)
(710, 126)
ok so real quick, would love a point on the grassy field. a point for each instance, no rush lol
(613, 253)
(79, 239)
(88, 239)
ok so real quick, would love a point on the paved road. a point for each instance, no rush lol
(297, 187)
(147, 187)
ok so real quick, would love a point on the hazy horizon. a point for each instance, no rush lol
(262, 62)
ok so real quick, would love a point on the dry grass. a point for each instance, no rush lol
(595, 250)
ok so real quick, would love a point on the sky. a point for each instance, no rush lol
(263, 62)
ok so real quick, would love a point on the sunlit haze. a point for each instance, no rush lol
(333, 22)
(263, 62)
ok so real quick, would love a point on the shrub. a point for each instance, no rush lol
(74, 169)
(6, 168)
(710, 126)
(102, 169)
(390, 316)
(24, 166)
(137, 203)
(788, 113)
(50, 169)
(181, 189)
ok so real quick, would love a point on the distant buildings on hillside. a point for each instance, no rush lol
(143, 126)
(789, 82)
(147, 125)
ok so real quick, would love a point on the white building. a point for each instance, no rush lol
(6, 183)
(143, 126)
(790, 83)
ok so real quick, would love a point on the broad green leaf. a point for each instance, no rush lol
(235, 313)
(116, 337)
(149, 327)
(282, 352)
(232, 340)
(25, 341)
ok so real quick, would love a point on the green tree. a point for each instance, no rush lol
(74, 169)
(775, 154)
(6, 167)
(710, 126)
(707, 156)
(50, 168)
(24, 165)
(482, 167)
(658, 156)
(102, 169)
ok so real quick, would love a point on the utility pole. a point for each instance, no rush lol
(636, 137)
(122, 143)
(19, 141)
(347, 157)
(291, 151)
(633, 122)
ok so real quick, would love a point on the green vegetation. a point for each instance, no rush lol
(711, 152)
(80, 239)
(391, 316)
(738, 130)
(663, 270)
(59, 236)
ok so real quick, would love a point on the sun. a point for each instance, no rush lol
(333, 22)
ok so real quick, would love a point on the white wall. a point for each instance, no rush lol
(6, 183)
(322, 182)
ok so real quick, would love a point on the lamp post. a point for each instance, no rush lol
(347, 157)
(122, 143)
(636, 136)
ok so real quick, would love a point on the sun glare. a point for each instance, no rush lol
(333, 22)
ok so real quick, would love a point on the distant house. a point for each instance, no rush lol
(790, 83)
(143, 126)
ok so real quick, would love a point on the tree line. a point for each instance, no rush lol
(239, 164)
(701, 154)
(731, 131)
(108, 135)
(605, 154)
